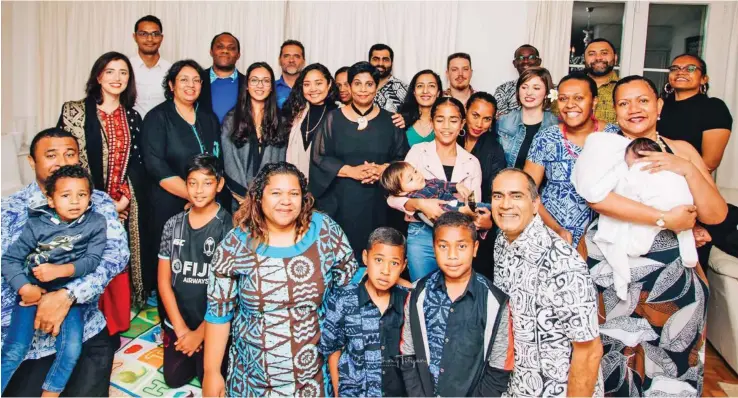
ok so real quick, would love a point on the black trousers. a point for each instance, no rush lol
(91, 376)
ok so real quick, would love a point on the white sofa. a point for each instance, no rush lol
(722, 311)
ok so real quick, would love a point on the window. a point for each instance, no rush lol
(594, 20)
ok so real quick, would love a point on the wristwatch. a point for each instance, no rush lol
(660, 222)
(71, 297)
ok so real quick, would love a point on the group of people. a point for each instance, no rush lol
(347, 234)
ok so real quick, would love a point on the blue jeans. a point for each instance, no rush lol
(421, 260)
(18, 341)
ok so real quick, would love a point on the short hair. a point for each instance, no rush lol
(238, 43)
(448, 100)
(54, 132)
(292, 43)
(386, 236)
(583, 77)
(391, 179)
(93, 88)
(527, 46)
(148, 18)
(642, 144)
(601, 40)
(382, 47)
(174, 70)
(634, 78)
(455, 219)
(206, 163)
(703, 66)
(341, 70)
(481, 96)
(458, 55)
(68, 171)
(529, 74)
(363, 67)
(532, 187)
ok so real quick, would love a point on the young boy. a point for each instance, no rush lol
(187, 245)
(361, 333)
(456, 338)
(60, 242)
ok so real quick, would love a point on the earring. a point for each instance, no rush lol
(462, 133)
(658, 117)
(703, 88)
(668, 89)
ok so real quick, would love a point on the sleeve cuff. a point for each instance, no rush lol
(210, 318)
(18, 282)
(163, 257)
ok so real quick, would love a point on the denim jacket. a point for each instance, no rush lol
(511, 132)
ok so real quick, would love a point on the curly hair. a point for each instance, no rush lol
(250, 216)
(68, 171)
(296, 101)
(243, 117)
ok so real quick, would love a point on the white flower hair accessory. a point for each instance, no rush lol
(553, 94)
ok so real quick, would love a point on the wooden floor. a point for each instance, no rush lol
(716, 369)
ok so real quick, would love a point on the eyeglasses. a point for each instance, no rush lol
(687, 68)
(186, 81)
(143, 34)
(266, 82)
(522, 58)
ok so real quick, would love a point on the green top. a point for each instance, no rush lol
(414, 138)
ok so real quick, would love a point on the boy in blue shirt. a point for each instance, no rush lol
(60, 242)
(360, 336)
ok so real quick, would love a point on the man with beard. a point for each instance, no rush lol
(459, 74)
(600, 59)
(148, 66)
(220, 83)
(291, 60)
(526, 56)
(392, 91)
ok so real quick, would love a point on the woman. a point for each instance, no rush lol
(690, 115)
(312, 98)
(352, 148)
(427, 87)
(445, 160)
(269, 277)
(107, 129)
(654, 344)
(517, 128)
(555, 150)
(173, 132)
(250, 132)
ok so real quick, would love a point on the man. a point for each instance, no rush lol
(600, 59)
(220, 83)
(459, 74)
(526, 56)
(552, 297)
(344, 89)
(291, 60)
(51, 149)
(148, 66)
(391, 91)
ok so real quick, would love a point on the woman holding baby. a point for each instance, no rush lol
(653, 332)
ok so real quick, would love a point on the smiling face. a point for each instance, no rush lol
(344, 88)
(315, 87)
(114, 77)
(426, 90)
(50, 154)
(384, 264)
(455, 248)
(71, 198)
(479, 118)
(202, 188)
(576, 103)
(532, 93)
(447, 123)
(381, 60)
(525, 58)
(363, 90)
(682, 79)
(148, 37)
(599, 59)
(637, 108)
(260, 84)
(459, 73)
(281, 201)
(187, 85)
(513, 208)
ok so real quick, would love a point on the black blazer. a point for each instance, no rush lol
(205, 102)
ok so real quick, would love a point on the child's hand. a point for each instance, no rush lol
(30, 294)
(463, 191)
(46, 272)
(190, 343)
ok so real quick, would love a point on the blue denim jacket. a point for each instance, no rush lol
(511, 132)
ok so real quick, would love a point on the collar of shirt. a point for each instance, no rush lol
(138, 62)
(214, 77)
(438, 282)
(535, 231)
(613, 79)
(396, 302)
(447, 92)
(282, 83)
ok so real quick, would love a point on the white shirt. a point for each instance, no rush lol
(149, 83)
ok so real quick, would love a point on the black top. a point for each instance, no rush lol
(688, 119)
(316, 115)
(448, 171)
(530, 132)
(189, 252)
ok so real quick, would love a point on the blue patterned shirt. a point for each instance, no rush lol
(87, 289)
(369, 341)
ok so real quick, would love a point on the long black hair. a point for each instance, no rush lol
(243, 118)
(410, 109)
(296, 101)
(94, 89)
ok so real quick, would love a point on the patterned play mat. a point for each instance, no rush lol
(137, 368)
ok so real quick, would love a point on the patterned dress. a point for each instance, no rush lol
(274, 298)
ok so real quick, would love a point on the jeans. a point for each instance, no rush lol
(421, 260)
(18, 341)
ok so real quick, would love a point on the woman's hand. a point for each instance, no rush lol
(463, 191)
(701, 236)
(375, 172)
(398, 121)
(660, 161)
(213, 384)
(190, 342)
(358, 173)
(483, 220)
(680, 218)
(431, 208)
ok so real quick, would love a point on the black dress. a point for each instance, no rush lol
(358, 208)
(687, 120)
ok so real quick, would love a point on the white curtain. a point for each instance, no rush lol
(549, 30)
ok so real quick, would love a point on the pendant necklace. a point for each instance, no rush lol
(362, 120)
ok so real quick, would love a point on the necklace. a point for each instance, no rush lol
(310, 130)
(363, 122)
(564, 132)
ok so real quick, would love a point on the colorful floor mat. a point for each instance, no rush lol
(138, 364)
